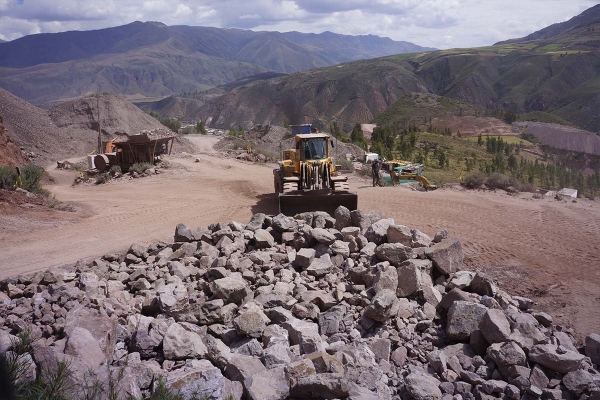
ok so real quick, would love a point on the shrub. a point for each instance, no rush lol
(8, 176)
(102, 178)
(31, 175)
(346, 165)
(140, 168)
(474, 181)
(115, 170)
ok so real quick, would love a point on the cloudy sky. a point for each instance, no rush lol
(434, 23)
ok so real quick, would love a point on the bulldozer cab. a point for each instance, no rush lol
(311, 147)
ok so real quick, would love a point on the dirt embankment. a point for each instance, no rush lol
(10, 154)
(71, 128)
(545, 249)
(563, 137)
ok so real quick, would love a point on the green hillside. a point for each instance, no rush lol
(555, 77)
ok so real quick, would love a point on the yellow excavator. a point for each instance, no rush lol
(307, 178)
(400, 171)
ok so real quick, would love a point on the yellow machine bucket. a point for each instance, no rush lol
(299, 201)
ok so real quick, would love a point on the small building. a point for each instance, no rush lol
(566, 192)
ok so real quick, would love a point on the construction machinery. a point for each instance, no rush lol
(405, 171)
(307, 178)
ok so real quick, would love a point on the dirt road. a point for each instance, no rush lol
(544, 249)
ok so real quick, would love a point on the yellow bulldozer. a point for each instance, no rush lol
(307, 178)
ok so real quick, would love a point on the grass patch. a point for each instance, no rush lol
(102, 178)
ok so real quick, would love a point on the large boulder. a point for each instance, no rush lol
(377, 232)
(180, 342)
(263, 239)
(198, 380)
(463, 318)
(423, 387)
(506, 355)
(320, 386)
(232, 289)
(494, 326)
(447, 255)
(83, 345)
(413, 276)
(395, 253)
(399, 234)
(592, 347)
(183, 234)
(556, 358)
(384, 306)
(343, 218)
(270, 384)
(320, 266)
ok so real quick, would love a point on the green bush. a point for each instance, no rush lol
(346, 165)
(102, 178)
(31, 176)
(140, 168)
(115, 169)
(8, 176)
(474, 181)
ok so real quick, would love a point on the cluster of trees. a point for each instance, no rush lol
(200, 128)
(443, 132)
(233, 131)
(507, 116)
(171, 123)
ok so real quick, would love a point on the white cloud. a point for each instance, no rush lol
(434, 23)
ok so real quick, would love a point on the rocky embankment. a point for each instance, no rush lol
(309, 307)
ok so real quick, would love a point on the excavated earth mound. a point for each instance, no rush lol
(272, 140)
(71, 129)
(309, 307)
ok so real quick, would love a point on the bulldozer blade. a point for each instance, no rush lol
(296, 202)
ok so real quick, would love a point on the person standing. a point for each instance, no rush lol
(375, 166)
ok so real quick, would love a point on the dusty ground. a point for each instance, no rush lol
(544, 249)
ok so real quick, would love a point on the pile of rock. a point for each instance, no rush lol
(351, 306)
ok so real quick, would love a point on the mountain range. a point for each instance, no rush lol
(555, 70)
(153, 59)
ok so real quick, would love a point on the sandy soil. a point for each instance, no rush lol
(544, 249)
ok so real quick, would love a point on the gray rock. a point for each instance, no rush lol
(419, 239)
(386, 277)
(321, 386)
(270, 384)
(384, 306)
(440, 235)
(256, 222)
(592, 347)
(423, 387)
(232, 289)
(340, 247)
(276, 354)
(320, 266)
(180, 343)
(578, 381)
(281, 223)
(463, 318)
(494, 326)
(250, 323)
(263, 239)
(83, 345)
(555, 358)
(506, 355)
(342, 218)
(447, 255)
(304, 257)
(395, 253)
(462, 279)
(483, 285)
(242, 367)
(399, 234)
(183, 234)
(323, 236)
(413, 276)
(377, 232)
(199, 380)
